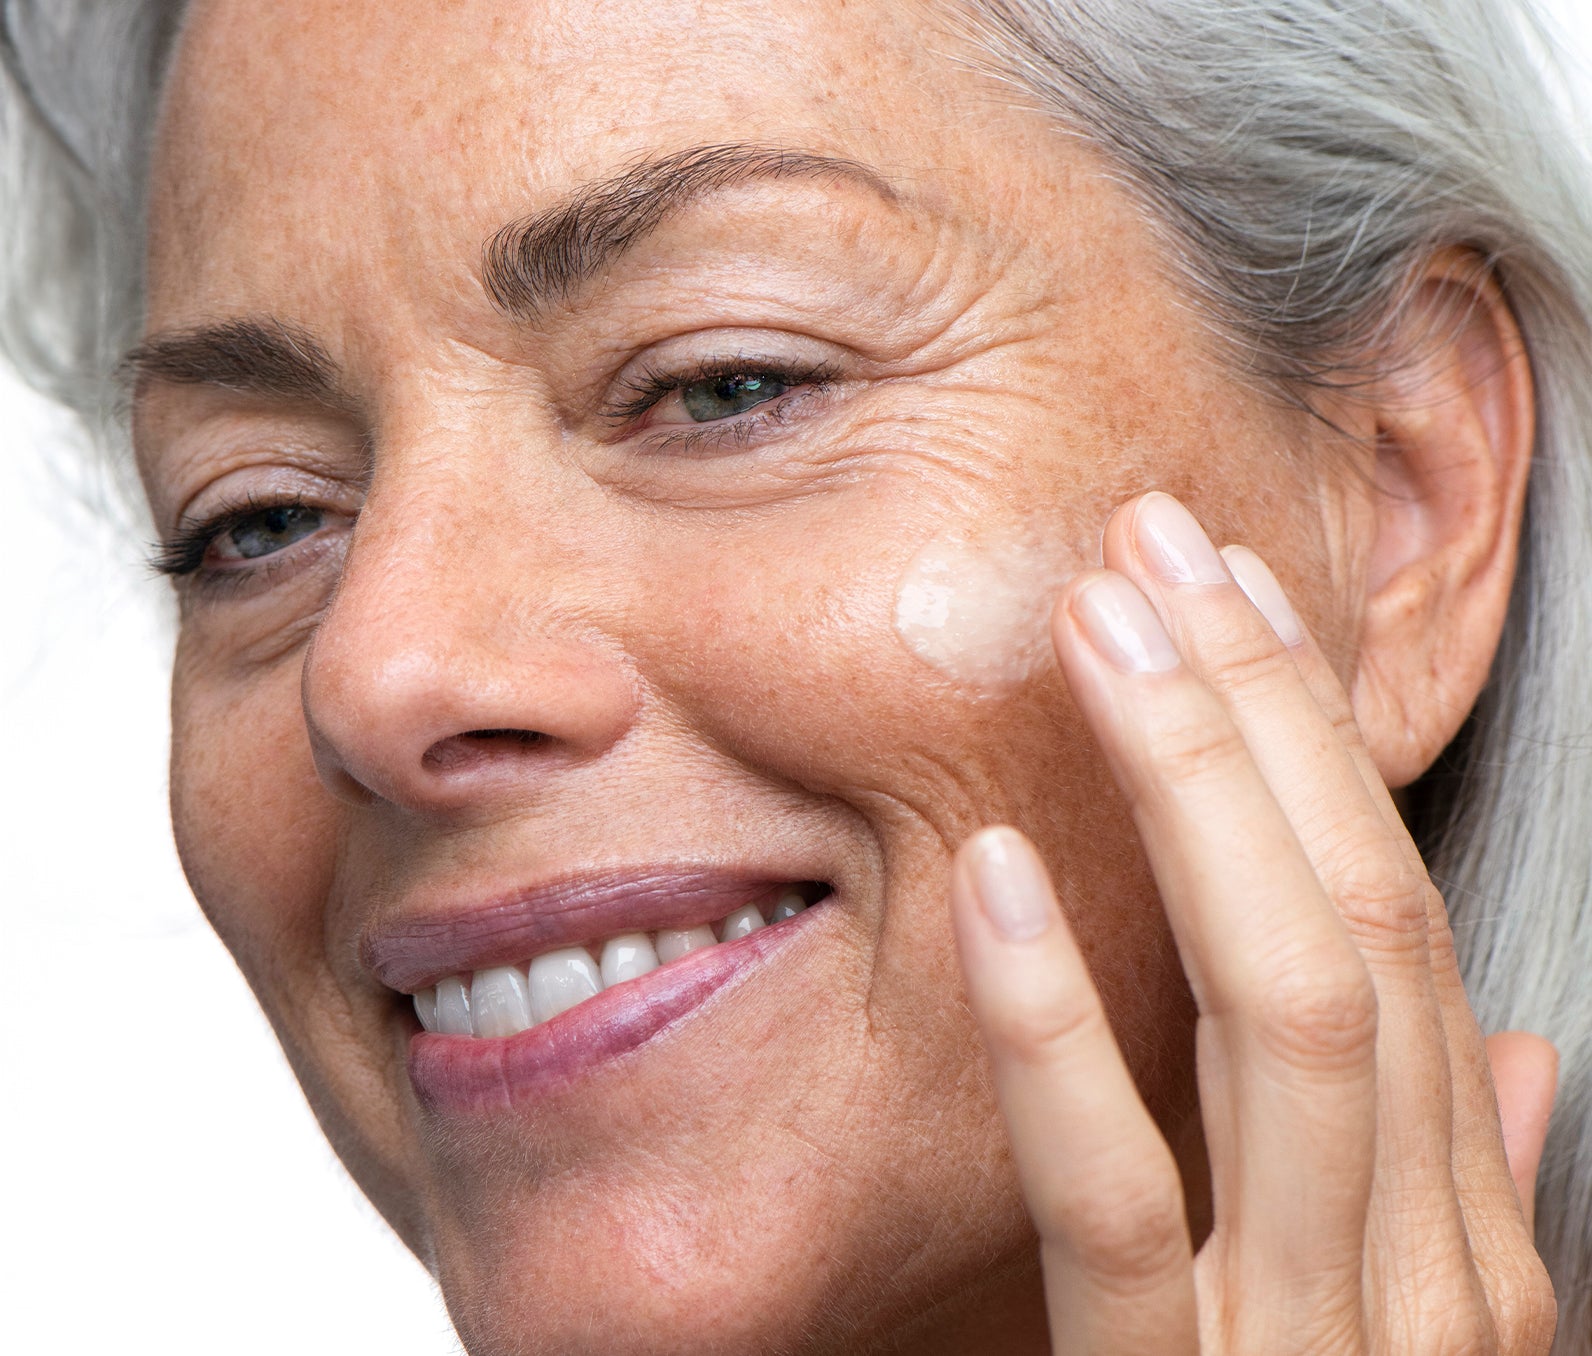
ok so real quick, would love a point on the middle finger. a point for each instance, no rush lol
(1367, 866)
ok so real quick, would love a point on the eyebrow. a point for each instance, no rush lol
(546, 257)
(526, 266)
(264, 357)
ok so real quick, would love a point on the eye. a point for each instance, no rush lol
(227, 543)
(724, 396)
(703, 404)
(266, 531)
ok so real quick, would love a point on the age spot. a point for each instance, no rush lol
(978, 611)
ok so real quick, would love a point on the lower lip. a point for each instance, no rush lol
(464, 1075)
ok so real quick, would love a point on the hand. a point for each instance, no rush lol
(1363, 1199)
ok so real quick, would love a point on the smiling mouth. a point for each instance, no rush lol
(504, 1000)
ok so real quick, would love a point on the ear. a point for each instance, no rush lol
(1455, 427)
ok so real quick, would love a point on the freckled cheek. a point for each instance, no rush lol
(254, 828)
(794, 663)
(788, 657)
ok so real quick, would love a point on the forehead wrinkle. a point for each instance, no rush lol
(544, 258)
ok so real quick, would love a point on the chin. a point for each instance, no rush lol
(651, 1268)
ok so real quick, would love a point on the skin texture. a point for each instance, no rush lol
(817, 1161)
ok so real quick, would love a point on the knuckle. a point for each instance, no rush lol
(1195, 750)
(1039, 1029)
(1340, 715)
(1471, 1335)
(1385, 901)
(1442, 954)
(1249, 661)
(1526, 1312)
(1318, 1010)
(1129, 1234)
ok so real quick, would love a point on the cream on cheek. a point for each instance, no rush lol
(976, 606)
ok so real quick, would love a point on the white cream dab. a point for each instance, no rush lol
(979, 612)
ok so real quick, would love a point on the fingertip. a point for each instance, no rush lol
(1528, 1064)
(1066, 634)
(1116, 537)
(1118, 623)
(1262, 589)
(1525, 1072)
(999, 872)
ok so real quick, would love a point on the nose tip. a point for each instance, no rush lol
(433, 723)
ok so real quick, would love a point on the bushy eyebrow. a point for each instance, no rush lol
(544, 258)
(259, 356)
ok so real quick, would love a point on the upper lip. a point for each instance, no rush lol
(414, 950)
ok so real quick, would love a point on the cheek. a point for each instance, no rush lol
(976, 608)
(799, 665)
(259, 839)
(255, 831)
(791, 663)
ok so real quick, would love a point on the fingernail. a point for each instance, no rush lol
(1260, 586)
(1173, 543)
(1013, 890)
(1122, 626)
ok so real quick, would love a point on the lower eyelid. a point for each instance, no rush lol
(737, 430)
(262, 570)
(638, 396)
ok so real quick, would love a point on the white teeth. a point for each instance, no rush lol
(505, 1000)
(560, 979)
(500, 1002)
(627, 957)
(741, 923)
(676, 942)
(790, 904)
(453, 1007)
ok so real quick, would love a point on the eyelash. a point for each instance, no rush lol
(183, 553)
(653, 384)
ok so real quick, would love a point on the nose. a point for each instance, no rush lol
(450, 674)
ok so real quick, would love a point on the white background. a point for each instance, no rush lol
(164, 1187)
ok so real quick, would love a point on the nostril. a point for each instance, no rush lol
(472, 746)
(512, 736)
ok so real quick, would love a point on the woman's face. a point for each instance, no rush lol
(591, 590)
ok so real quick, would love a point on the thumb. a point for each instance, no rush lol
(1525, 1071)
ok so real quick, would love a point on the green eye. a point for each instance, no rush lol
(269, 531)
(721, 397)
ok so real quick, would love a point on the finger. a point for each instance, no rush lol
(1288, 1011)
(1367, 875)
(1098, 1179)
(1300, 749)
(1525, 1073)
(1497, 1233)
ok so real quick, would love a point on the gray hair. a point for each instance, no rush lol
(1301, 159)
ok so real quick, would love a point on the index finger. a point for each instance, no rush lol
(1099, 1181)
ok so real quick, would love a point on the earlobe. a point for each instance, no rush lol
(1455, 427)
